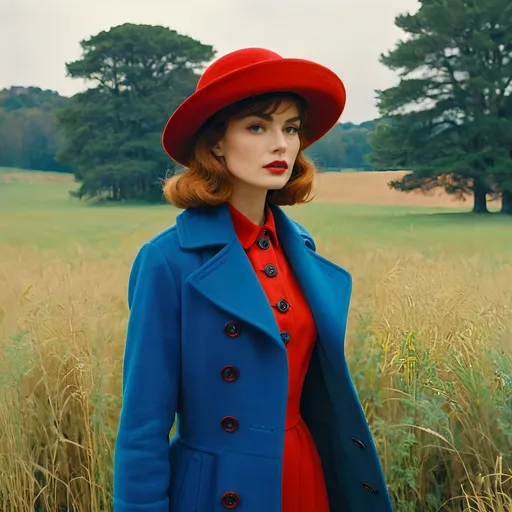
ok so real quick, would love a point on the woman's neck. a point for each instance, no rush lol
(251, 206)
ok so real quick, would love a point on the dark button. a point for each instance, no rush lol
(263, 243)
(285, 337)
(230, 499)
(359, 443)
(369, 488)
(232, 329)
(282, 306)
(229, 373)
(270, 270)
(229, 424)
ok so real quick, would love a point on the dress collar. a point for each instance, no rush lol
(248, 233)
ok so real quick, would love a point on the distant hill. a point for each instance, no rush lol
(30, 137)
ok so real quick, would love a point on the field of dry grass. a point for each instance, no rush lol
(429, 344)
(372, 188)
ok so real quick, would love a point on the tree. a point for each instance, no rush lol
(344, 147)
(447, 120)
(29, 136)
(113, 130)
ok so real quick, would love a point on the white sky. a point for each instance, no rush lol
(37, 37)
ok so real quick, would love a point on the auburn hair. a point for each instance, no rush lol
(206, 181)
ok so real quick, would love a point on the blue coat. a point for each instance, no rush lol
(196, 307)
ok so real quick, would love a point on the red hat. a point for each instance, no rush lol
(249, 72)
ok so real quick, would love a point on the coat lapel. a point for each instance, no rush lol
(326, 286)
(227, 279)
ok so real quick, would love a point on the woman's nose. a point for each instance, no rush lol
(279, 143)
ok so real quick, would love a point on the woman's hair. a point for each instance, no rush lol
(207, 181)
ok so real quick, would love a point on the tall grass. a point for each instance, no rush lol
(429, 346)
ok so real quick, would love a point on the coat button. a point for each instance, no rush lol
(369, 488)
(229, 424)
(232, 329)
(285, 337)
(282, 306)
(230, 373)
(230, 499)
(263, 243)
(270, 270)
(359, 443)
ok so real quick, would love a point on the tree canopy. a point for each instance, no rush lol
(449, 119)
(112, 130)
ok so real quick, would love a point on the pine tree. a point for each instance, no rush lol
(449, 118)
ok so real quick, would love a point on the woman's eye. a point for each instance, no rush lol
(292, 130)
(255, 128)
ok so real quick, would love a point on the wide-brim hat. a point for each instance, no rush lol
(250, 72)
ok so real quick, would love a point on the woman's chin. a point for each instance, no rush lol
(276, 182)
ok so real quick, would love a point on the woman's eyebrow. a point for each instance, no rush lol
(269, 117)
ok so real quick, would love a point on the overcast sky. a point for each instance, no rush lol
(37, 37)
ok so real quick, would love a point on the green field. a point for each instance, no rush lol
(429, 343)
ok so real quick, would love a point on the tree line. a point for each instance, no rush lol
(29, 132)
(31, 137)
(448, 120)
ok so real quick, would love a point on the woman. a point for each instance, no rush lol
(237, 325)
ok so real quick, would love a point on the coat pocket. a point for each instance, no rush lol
(189, 493)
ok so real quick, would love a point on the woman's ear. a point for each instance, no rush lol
(217, 150)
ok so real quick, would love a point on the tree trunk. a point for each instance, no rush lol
(506, 202)
(479, 196)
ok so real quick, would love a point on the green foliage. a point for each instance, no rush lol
(29, 135)
(422, 427)
(450, 117)
(112, 131)
(345, 146)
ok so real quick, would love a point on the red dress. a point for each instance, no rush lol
(303, 479)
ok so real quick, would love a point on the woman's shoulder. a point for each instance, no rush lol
(158, 251)
(167, 240)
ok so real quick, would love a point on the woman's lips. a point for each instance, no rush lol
(276, 170)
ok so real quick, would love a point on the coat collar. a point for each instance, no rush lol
(201, 228)
(204, 227)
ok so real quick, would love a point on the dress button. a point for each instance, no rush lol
(359, 443)
(282, 306)
(263, 243)
(270, 270)
(232, 329)
(230, 373)
(369, 488)
(285, 337)
(230, 499)
(229, 424)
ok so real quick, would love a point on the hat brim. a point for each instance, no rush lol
(322, 90)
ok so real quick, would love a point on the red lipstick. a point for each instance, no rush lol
(277, 166)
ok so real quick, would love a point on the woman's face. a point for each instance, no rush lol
(251, 144)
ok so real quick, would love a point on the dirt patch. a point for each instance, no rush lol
(372, 188)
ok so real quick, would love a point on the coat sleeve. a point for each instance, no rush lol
(151, 376)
